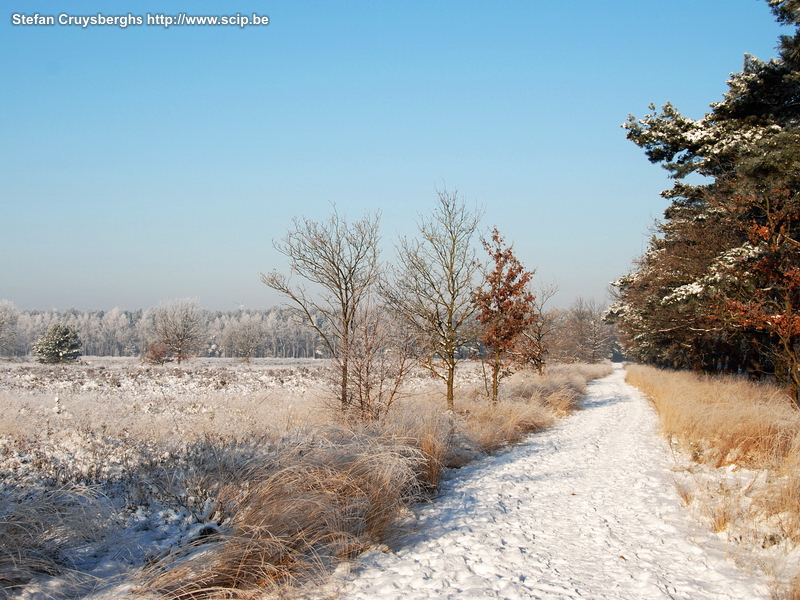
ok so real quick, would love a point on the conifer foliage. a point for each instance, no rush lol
(507, 310)
(719, 287)
(59, 344)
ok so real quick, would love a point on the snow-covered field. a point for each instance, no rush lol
(109, 465)
(98, 460)
(586, 509)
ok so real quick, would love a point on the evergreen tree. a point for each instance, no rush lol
(59, 344)
(719, 288)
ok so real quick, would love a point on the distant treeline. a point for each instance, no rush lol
(574, 334)
(120, 332)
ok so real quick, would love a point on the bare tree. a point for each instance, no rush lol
(382, 354)
(538, 335)
(244, 337)
(180, 327)
(583, 335)
(9, 333)
(433, 284)
(341, 258)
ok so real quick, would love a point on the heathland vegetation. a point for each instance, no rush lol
(222, 477)
(737, 446)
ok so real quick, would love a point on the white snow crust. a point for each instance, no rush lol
(586, 509)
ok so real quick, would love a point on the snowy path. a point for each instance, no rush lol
(583, 510)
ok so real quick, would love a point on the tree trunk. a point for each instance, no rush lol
(495, 378)
(793, 367)
(343, 391)
(451, 373)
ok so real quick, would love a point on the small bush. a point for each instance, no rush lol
(60, 344)
(157, 354)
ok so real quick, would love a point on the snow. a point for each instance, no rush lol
(586, 509)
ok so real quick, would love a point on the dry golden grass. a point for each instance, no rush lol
(494, 426)
(44, 533)
(423, 425)
(739, 424)
(722, 420)
(685, 491)
(287, 521)
(560, 390)
(788, 592)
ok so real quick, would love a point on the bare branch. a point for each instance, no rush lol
(434, 280)
(342, 259)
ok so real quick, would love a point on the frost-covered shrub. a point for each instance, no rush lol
(59, 344)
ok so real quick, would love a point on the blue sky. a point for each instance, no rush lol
(145, 163)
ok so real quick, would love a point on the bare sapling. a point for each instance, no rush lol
(432, 286)
(342, 259)
(382, 356)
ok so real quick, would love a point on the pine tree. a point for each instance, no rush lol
(59, 344)
(719, 287)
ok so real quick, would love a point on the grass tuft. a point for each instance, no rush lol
(286, 521)
(48, 531)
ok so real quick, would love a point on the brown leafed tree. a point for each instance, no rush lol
(506, 308)
(767, 273)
